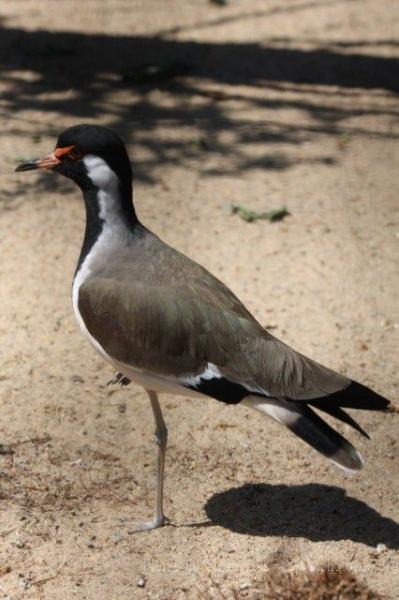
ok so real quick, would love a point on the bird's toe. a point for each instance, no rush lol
(149, 525)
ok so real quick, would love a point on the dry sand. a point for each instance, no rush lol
(290, 104)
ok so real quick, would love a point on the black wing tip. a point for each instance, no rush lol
(357, 395)
(354, 396)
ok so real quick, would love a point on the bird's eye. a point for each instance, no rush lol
(75, 154)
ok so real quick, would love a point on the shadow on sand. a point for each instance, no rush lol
(316, 512)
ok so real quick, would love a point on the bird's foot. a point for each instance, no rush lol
(148, 525)
(119, 378)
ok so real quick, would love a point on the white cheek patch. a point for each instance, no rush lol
(100, 173)
(107, 182)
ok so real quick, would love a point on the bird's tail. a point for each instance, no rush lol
(299, 417)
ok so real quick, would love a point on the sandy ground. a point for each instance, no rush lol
(281, 104)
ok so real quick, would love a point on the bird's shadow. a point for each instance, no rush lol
(313, 511)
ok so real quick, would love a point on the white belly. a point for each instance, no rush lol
(156, 383)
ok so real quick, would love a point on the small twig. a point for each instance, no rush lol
(35, 440)
(4, 534)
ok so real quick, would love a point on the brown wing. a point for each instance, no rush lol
(171, 317)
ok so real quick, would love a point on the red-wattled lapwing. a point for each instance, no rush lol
(166, 323)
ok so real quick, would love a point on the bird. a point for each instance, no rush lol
(166, 323)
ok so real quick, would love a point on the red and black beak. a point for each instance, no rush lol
(47, 162)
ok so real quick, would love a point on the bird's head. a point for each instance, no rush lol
(90, 155)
